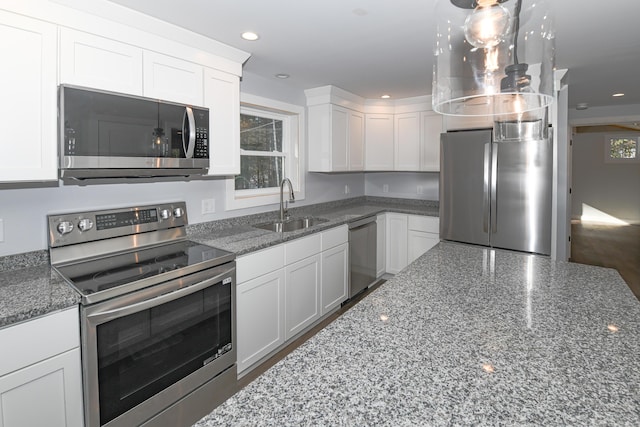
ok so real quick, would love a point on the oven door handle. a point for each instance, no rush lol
(171, 294)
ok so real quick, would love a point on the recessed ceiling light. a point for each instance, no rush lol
(619, 94)
(582, 106)
(385, 96)
(282, 76)
(250, 36)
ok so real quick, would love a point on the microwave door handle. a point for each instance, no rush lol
(189, 145)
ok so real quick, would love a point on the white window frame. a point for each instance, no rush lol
(293, 148)
(607, 148)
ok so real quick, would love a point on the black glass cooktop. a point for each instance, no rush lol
(154, 264)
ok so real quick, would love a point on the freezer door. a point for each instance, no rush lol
(464, 185)
(521, 196)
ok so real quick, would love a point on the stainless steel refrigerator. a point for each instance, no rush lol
(496, 194)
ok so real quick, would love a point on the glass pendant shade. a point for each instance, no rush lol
(487, 25)
(493, 58)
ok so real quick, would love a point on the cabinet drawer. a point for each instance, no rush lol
(258, 263)
(334, 237)
(39, 339)
(299, 249)
(429, 224)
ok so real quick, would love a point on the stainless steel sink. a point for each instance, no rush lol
(292, 224)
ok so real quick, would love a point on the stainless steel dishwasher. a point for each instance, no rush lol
(362, 254)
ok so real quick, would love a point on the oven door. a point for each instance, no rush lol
(144, 351)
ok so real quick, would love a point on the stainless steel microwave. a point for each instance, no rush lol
(111, 135)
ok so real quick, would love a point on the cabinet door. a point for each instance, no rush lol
(29, 99)
(172, 79)
(430, 141)
(48, 393)
(260, 317)
(339, 139)
(381, 224)
(407, 142)
(302, 295)
(222, 97)
(379, 142)
(98, 62)
(356, 141)
(396, 236)
(335, 277)
(420, 242)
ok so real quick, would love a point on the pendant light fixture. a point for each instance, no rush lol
(493, 58)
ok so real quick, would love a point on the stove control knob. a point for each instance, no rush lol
(85, 224)
(65, 227)
(178, 212)
(165, 214)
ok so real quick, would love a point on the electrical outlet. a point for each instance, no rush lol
(346, 189)
(385, 188)
(419, 190)
(1, 230)
(208, 206)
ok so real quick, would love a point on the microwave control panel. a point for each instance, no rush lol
(202, 144)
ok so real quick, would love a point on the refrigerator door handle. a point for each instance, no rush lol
(494, 189)
(487, 168)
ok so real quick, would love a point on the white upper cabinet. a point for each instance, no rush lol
(336, 139)
(356, 141)
(407, 142)
(222, 98)
(101, 63)
(379, 153)
(430, 130)
(173, 79)
(29, 99)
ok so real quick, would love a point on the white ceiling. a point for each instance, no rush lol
(373, 47)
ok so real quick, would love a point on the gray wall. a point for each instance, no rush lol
(403, 185)
(612, 188)
(23, 208)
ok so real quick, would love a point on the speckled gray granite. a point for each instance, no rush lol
(33, 291)
(238, 234)
(463, 336)
(29, 288)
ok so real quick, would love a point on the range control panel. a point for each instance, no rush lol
(82, 227)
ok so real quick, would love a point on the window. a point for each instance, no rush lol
(262, 159)
(270, 150)
(621, 148)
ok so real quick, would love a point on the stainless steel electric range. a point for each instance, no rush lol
(157, 314)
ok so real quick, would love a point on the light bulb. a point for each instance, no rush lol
(487, 25)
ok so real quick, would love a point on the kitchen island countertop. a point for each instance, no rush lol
(463, 336)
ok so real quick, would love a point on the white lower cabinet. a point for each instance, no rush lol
(423, 234)
(396, 239)
(284, 290)
(302, 295)
(381, 239)
(407, 238)
(40, 377)
(335, 277)
(260, 317)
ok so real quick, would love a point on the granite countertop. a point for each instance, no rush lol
(463, 336)
(29, 287)
(239, 236)
(33, 291)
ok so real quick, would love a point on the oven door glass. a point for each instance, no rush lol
(141, 354)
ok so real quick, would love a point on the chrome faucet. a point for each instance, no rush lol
(292, 198)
